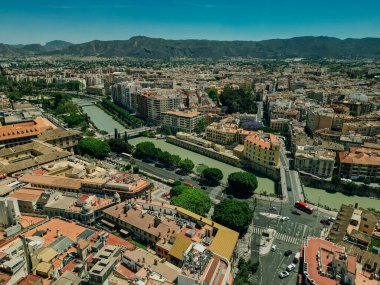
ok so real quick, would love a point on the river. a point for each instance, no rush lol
(105, 122)
(102, 120)
(264, 184)
(335, 200)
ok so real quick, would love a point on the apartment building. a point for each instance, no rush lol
(151, 103)
(319, 118)
(170, 229)
(280, 125)
(125, 94)
(262, 148)
(181, 121)
(325, 263)
(359, 163)
(316, 161)
(365, 128)
(226, 132)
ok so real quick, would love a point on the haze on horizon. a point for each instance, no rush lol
(40, 21)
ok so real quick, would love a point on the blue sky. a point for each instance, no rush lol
(39, 21)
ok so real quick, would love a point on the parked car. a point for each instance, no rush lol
(283, 219)
(325, 222)
(290, 267)
(273, 208)
(288, 252)
(274, 247)
(283, 274)
(295, 212)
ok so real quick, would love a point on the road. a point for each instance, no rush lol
(289, 235)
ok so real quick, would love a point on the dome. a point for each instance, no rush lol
(86, 208)
(116, 197)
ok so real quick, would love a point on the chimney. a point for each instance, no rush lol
(58, 233)
(157, 221)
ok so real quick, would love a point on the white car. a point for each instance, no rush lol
(283, 219)
(274, 247)
(290, 267)
(283, 274)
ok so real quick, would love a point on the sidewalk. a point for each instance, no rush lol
(267, 242)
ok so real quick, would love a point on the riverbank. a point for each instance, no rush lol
(335, 200)
(265, 185)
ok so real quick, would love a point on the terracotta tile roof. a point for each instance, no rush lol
(261, 139)
(27, 129)
(360, 156)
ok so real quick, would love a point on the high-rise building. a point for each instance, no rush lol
(319, 118)
(9, 211)
(125, 94)
(151, 103)
(183, 121)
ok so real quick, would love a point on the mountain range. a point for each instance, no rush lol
(156, 48)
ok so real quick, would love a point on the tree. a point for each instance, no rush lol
(145, 150)
(213, 94)
(176, 160)
(120, 146)
(136, 169)
(238, 100)
(186, 165)
(200, 167)
(335, 179)
(212, 176)
(190, 198)
(94, 147)
(67, 107)
(242, 183)
(167, 159)
(246, 269)
(233, 214)
(200, 126)
(74, 120)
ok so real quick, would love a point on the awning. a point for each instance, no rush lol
(124, 232)
(108, 223)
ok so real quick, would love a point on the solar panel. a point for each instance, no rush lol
(85, 234)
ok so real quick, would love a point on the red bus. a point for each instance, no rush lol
(188, 184)
(304, 207)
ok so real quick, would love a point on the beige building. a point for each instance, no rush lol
(65, 139)
(151, 103)
(363, 128)
(183, 121)
(319, 118)
(318, 162)
(226, 132)
(262, 148)
(360, 163)
(280, 125)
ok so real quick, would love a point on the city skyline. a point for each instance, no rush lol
(85, 21)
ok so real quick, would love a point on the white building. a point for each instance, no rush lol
(9, 211)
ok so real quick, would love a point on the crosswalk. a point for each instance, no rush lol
(279, 236)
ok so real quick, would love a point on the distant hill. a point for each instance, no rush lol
(56, 45)
(156, 48)
(32, 49)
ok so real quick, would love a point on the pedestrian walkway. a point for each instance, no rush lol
(258, 230)
(287, 238)
(279, 236)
